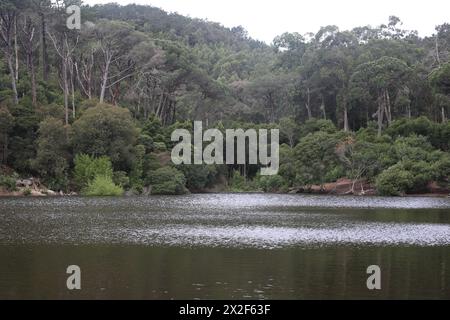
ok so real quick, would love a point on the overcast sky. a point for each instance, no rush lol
(265, 19)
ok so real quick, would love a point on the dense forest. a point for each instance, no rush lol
(92, 110)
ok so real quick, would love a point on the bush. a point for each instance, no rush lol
(53, 156)
(160, 146)
(102, 186)
(26, 192)
(106, 130)
(87, 168)
(8, 182)
(394, 181)
(167, 180)
(199, 177)
(318, 125)
(120, 178)
(273, 183)
(238, 183)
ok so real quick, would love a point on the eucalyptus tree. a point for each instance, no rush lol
(114, 40)
(8, 41)
(381, 80)
(440, 79)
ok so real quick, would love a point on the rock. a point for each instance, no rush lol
(24, 183)
(129, 193)
(51, 193)
(35, 193)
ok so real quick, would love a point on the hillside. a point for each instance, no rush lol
(369, 103)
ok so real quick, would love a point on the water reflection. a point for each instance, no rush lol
(225, 247)
(253, 220)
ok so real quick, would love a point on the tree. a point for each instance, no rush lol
(53, 156)
(289, 129)
(440, 79)
(316, 158)
(106, 131)
(6, 124)
(381, 80)
(359, 158)
(29, 42)
(8, 25)
(167, 180)
(113, 39)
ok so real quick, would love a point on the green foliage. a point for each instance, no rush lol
(274, 183)
(120, 178)
(8, 182)
(166, 70)
(102, 186)
(199, 177)
(315, 158)
(26, 192)
(315, 125)
(137, 172)
(167, 181)
(53, 156)
(88, 167)
(238, 183)
(394, 181)
(160, 146)
(106, 131)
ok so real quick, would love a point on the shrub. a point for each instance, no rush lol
(120, 178)
(102, 186)
(167, 180)
(26, 192)
(199, 177)
(238, 183)
(106, 130)
(53, 156)
(273, 183)
(87, 168)
(160, 146)
(9, 182)
(394, 181)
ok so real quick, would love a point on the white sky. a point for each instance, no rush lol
(265, 19)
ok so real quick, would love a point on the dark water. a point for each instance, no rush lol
(225, 247)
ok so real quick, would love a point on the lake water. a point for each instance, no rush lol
(225, 246)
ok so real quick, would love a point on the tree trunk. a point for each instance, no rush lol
(388, 107)
(105, 80)
(308, 103)
(444, 118)
(16, 49)
(13, 78)
(33, 82)
(73, 92)
(438, 58)
(380, 114)
(346, 128)
(322, 106)
(66, 90)
(44, 54)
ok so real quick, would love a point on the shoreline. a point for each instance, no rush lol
(18, 194)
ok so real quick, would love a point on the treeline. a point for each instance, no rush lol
(369, 103)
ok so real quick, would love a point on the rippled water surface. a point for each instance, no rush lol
(225, 246)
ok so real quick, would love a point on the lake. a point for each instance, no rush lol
(225, 246)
